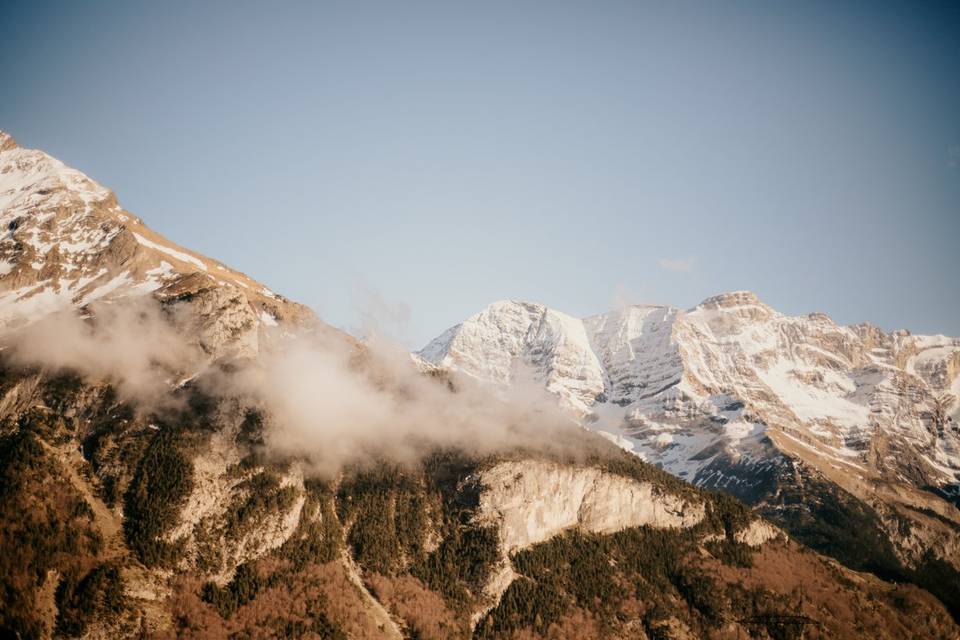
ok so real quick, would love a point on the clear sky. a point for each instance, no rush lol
(416, 161)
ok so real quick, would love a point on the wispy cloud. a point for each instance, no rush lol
(622, 296)
(677, 264)
(379, 316)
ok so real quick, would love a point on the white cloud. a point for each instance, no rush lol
(677, 264)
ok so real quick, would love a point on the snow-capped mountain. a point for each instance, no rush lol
(732, 395)
(67, 242)
(675, 385)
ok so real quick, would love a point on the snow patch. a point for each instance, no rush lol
(179, 255)
(268, 319)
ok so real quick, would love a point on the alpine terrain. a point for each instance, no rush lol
(846, 437)
(187, 454)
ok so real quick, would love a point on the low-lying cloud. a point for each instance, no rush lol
(135, 345)
(325, 400)
(332, 404)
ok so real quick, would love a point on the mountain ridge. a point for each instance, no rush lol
(734, 396)
(583, 360)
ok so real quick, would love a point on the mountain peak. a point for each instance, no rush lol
(68, 243)
(731, 299)
(7, 141)
(511, 304)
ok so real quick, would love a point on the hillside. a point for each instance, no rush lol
(181, 525)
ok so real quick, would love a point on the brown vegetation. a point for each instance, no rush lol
(843, 604)
(425, 613)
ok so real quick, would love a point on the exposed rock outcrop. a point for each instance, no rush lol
(533, 501)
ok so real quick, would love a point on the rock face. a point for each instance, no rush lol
(212, 547)
(67, 242)
(533, 501)
(756, 533)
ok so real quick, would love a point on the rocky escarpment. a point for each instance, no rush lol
(531, 502)
(757, 533)
(235, 512)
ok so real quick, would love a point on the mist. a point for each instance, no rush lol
(134, 344)
(335, 404)
(326, 400)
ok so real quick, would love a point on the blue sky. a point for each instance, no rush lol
(412, 162)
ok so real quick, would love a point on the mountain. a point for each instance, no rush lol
(68, 243)
(193, 504)
(670, 383)
(787, 413)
